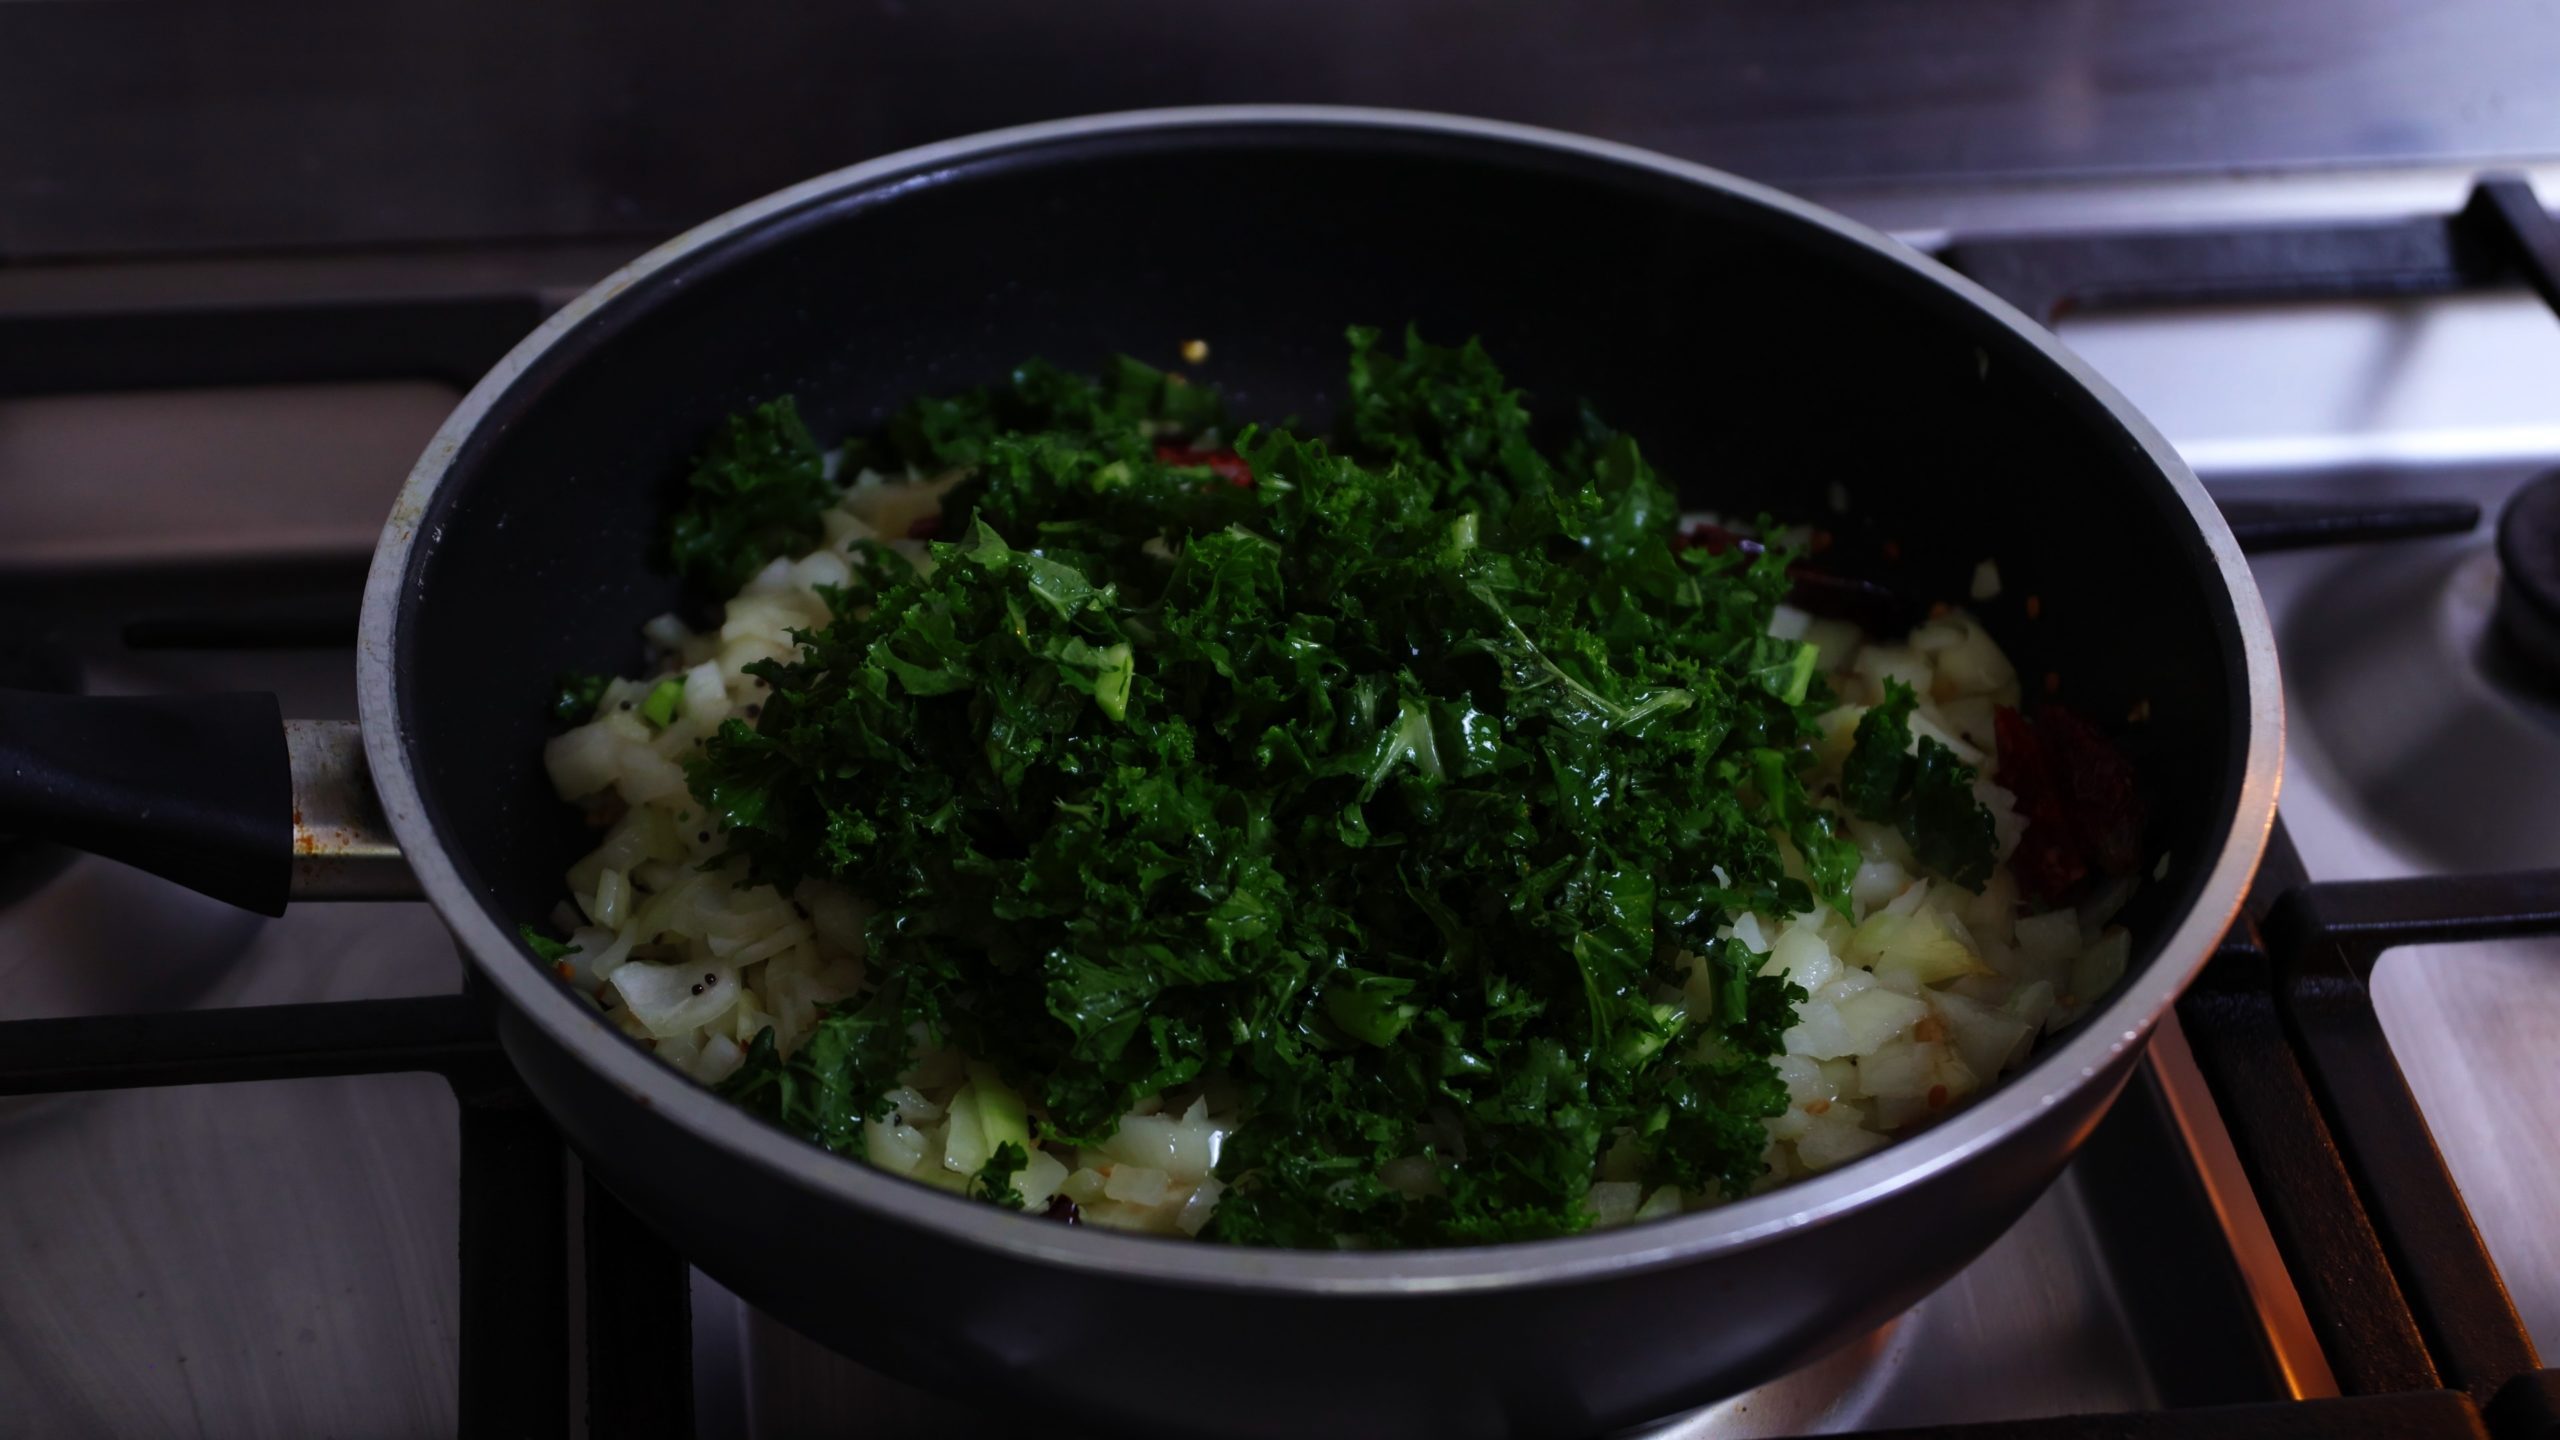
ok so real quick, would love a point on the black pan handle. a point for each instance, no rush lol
(215, 792)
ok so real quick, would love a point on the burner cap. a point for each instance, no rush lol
(30, 662)
(2529, 577)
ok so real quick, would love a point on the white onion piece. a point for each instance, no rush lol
(1663, 1203)
(706, 697)
(1874, 1016)
(2099, 967)
(1925, 726)
(1748, 930)
(1827, 1145)
(1899, 662)
(2048, 937)
(611, 905)
(582, 761)
(896, 1148)
(1613, 1202)
(1984, 1036)
(1040, 1179)
(1802, 958)
(647, 775)
(673, 999)
(1202, 1204)
(1411, 1175)
(720, 1059)
(1137, 1185)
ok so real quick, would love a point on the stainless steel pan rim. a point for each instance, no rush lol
(2124, 1022)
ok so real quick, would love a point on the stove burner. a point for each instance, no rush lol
(2406, 691)
(2529, 579)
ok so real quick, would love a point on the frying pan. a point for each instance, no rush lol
(1772, 357)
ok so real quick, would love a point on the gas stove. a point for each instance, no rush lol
(274, 1178)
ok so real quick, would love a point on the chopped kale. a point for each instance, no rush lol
(1394, 779)
(576, 702)
(1873, 778)
(1949, 830)
(545, 949)
(994, 1181)
(1926, 793)
(757, 491)
(840, 1077)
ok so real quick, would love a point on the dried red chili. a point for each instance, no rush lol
(2047, 861)
(1229, 465)
(2078, 792)
(2098, 787)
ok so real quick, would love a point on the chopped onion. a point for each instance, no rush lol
(1836, 1143)
(612, 891)
(1875, 1016)
(894, 1147)
(583, 761)
(1414, 1176)
(1197, 1210)
(720, 1059)
(675, 999)
(1040, 1179)
(1083, 1187)
(1137, 1184)
(964, 1141)
(1613, 1202)
(2099, 967)
(1987, 1038)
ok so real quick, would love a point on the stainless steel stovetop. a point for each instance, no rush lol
(276, 1259)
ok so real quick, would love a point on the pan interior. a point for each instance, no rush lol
(1761, 360)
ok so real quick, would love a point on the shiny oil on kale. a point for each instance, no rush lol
(1387, 776)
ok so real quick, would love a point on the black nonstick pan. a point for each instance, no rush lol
(1766, 351)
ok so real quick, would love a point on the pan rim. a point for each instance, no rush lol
(2094, 1047)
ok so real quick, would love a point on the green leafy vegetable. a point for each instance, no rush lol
(1874, 778)
(1949, 830)
(840, 1077)
(1401, 789)
(579, 696)
(545, 949)
(757, 491)
(994, 1181)
(1927, 793)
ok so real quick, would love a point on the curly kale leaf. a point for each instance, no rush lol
(994, 1181)
(578, 696)
(839, 1077)
(756, 492)
(1949, 830)
(1924, 791)
(1388, 789)
(1875, 777)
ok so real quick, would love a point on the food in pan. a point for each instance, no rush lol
(1421, 835)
